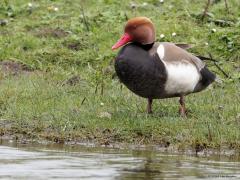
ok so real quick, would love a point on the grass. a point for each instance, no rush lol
(73, 95)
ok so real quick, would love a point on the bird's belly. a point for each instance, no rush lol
(181, 78)
(146, 88)
(147, 84)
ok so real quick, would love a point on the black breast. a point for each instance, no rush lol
(142, 73)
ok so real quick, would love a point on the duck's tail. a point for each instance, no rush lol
(207, 77)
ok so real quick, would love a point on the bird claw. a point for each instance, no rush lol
(182, 112)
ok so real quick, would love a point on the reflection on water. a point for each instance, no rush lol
(80, 162)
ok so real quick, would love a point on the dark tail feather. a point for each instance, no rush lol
(207, 78)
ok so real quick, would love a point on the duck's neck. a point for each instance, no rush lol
(144, 46)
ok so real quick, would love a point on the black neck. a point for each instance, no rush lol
(144, 46)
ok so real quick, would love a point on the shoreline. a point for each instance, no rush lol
(173, 150)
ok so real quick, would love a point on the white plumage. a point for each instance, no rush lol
(182, 76)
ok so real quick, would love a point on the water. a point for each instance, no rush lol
(81, 162)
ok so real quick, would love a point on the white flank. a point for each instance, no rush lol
(182, 77)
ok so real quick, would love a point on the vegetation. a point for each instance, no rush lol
(58, 81)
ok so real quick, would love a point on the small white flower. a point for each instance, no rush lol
(133, 5)
(206, 44)
(102, 104)
(144, 4)
(56, 9)
(162, 36)
(174, 34)
(214, 30)
(30, 5)
(161, 1)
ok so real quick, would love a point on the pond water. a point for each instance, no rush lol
(38, 161)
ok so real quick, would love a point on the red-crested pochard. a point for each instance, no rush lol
(157, 70)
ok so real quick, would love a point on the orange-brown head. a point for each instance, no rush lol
(138, 29)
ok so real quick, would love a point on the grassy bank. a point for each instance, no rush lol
(58, 83)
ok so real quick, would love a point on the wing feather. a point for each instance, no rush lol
(174, 54)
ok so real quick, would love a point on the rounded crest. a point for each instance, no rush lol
(141, 29)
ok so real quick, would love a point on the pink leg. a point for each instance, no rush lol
(149, 106)
(182, 108)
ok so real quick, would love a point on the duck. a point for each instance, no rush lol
(158, 70)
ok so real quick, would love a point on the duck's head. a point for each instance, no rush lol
(138, 29)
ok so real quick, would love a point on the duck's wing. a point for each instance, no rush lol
(186, 73)
(184, 45)
(171, 54)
